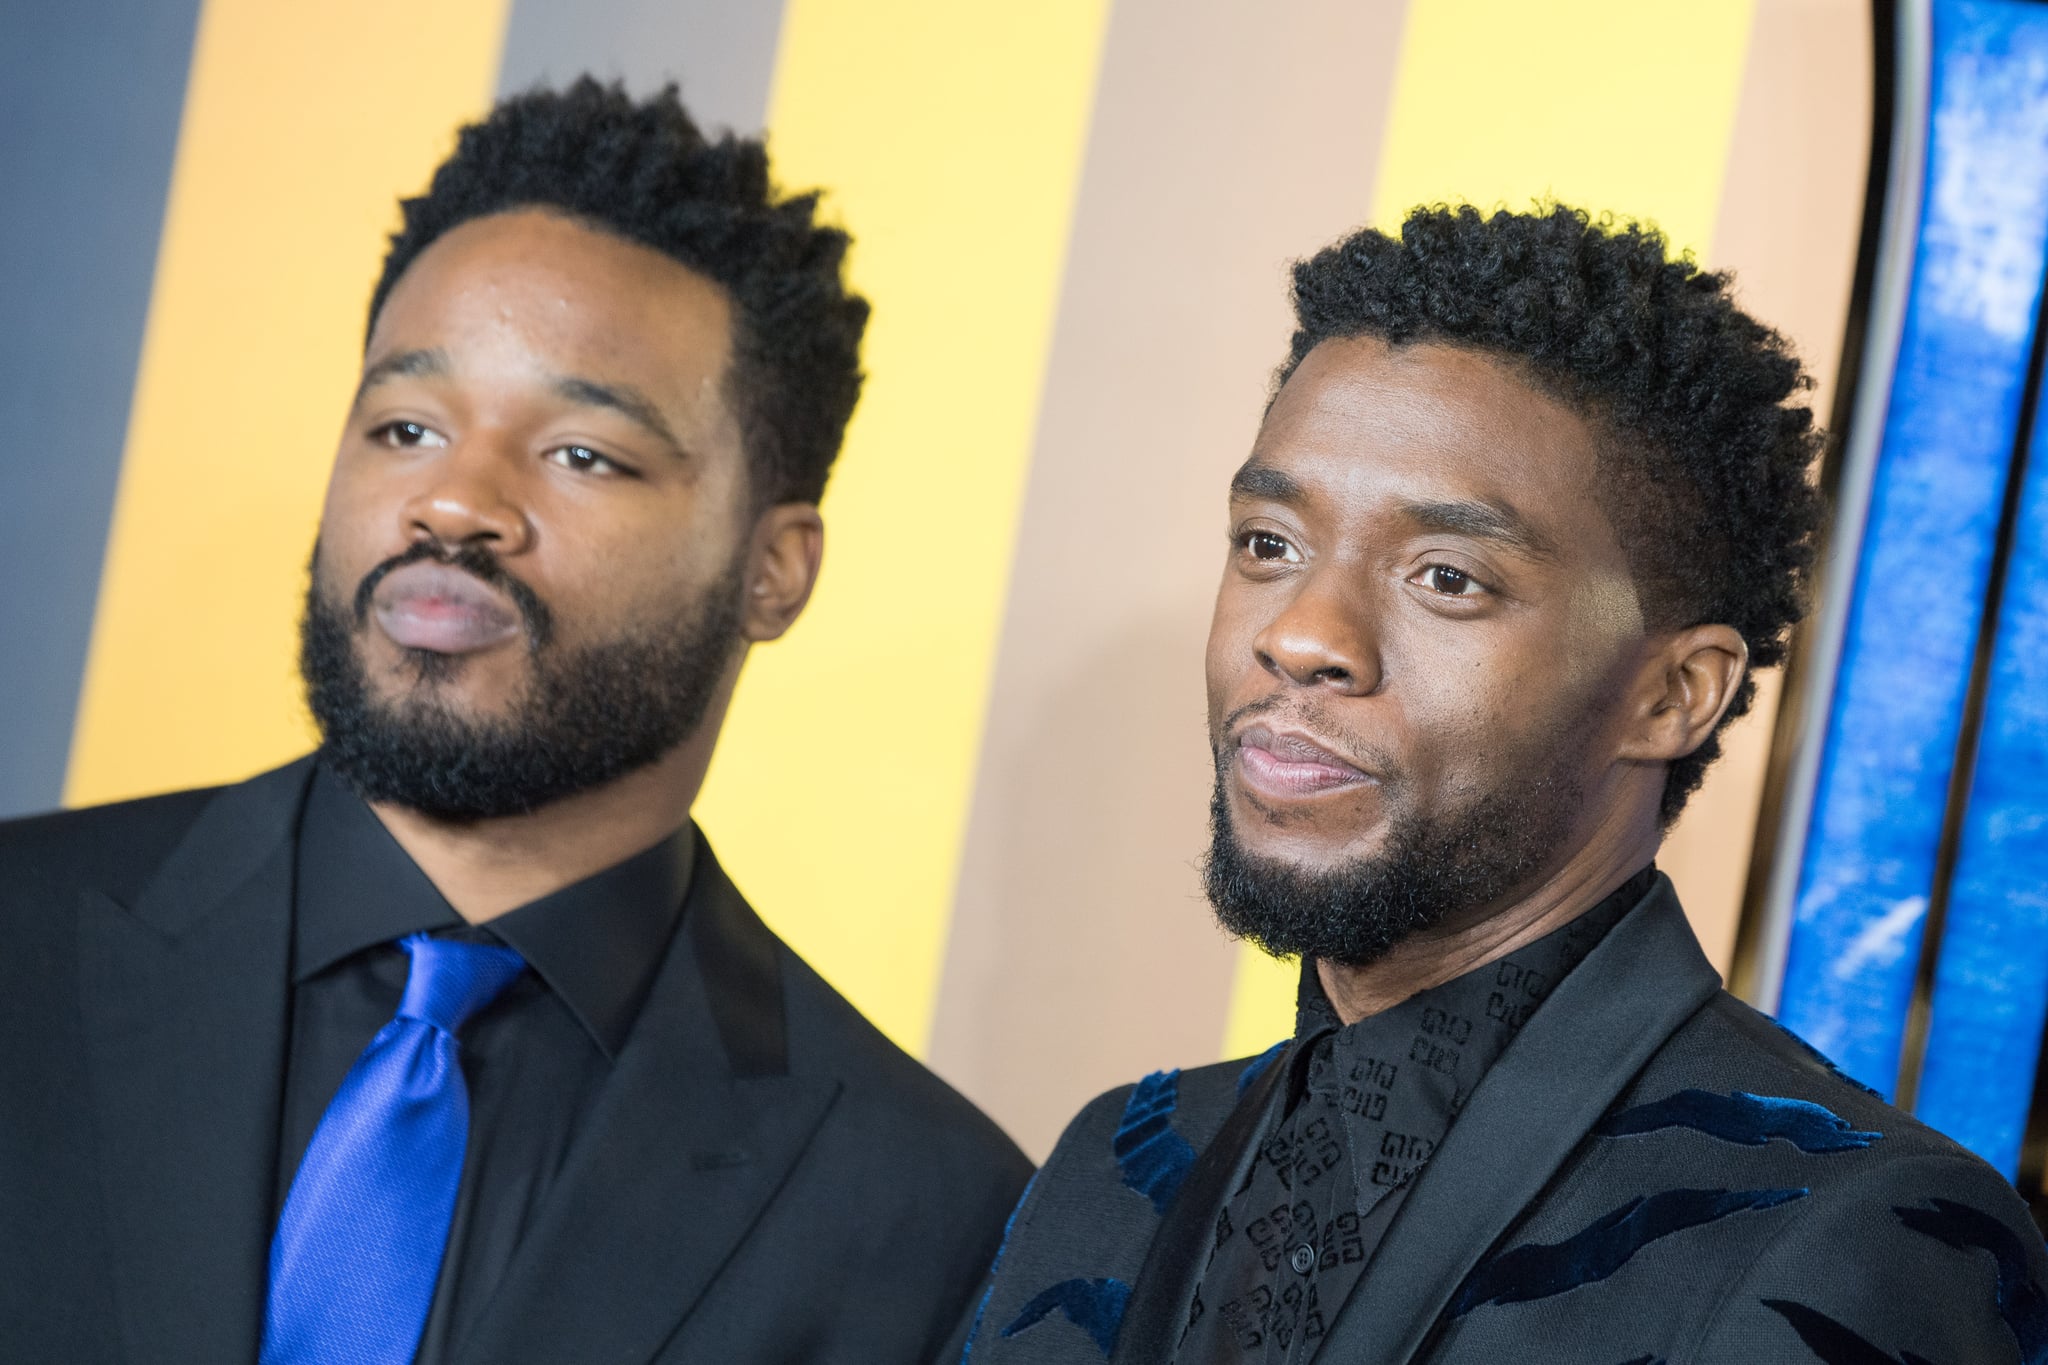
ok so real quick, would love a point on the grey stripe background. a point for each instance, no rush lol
(721, 52)
(90, 93)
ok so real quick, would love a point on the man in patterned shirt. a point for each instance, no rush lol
(1528, 507)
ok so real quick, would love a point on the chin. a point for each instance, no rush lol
(408, 672)
(1300, 836)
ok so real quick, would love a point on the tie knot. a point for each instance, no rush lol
(450, 981)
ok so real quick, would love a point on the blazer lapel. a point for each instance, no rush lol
(182, 998)
(1165, 1291)
(1596, 1031)
(697, 1129)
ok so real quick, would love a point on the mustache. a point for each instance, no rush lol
(1350, 746)
(479, 564)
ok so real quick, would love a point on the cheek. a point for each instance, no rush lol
(1472, 697)
(340, 510)
(626, 571)
(1525, 704)
(363, 509)
(594, 589)
(1598, 649)
(1230, 657)
(347, 549)
(1458, 668)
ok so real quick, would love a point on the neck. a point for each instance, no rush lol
(487, 867)
(1619, 848)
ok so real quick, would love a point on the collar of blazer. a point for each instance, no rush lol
(184, 1002)
(1597, 1029)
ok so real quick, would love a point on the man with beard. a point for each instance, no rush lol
(1529, 503)
(452, 1042)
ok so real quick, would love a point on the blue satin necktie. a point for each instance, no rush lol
(359, 1246)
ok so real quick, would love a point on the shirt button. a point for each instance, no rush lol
(1303, 1260)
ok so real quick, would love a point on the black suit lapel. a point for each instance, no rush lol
(1165, 1291)
(697, 1129)
(1594, 1033)
(183, 1000)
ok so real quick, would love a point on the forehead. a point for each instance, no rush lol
(537, 290)
(1361, 420)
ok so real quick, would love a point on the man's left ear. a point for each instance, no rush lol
(782, 568)
(1685, 687)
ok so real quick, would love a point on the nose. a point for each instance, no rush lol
(469, 497)
(1322, 639)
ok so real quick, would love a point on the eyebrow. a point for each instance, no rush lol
(1254, 480)
(1482, 520)
(1478, 518)
(428, 364)
(624, 399)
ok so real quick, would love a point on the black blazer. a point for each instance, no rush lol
(1652, 1172)
(766, 1178)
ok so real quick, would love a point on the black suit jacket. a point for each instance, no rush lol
(1652, 1172)
(766, 1178)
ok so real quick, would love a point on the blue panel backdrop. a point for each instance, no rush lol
(1991, 985)
(1868, 866)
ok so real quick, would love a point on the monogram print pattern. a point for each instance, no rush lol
(1367, 1106)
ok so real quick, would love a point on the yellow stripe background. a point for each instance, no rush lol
(1618, 105)
(303, 124)
(950, 138)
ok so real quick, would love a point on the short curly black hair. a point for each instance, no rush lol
(1706, 458)
(643, 171)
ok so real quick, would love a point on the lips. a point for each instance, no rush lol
(1288, 764)
(440, 608)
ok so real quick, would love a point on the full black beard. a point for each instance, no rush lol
(587, 716)
(1357, 913)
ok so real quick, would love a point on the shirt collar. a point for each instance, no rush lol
(356, 887)
(1556, 952)
(597, 944)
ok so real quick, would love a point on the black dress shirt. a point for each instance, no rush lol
(535, 1059)
(1367, 1105)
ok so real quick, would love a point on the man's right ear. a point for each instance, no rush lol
(783, 559)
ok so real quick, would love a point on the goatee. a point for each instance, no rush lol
(1428, 871)
(585, 717)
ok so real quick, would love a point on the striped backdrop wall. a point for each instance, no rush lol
(970, 786)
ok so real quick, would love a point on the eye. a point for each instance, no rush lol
(407, 436)
(583, 460)
(1267, 547)
(1442, 578)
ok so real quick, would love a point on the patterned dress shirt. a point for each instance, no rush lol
(1367, 1106)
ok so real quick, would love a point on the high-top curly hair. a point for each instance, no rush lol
(643, 171)
(1706, 457)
